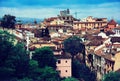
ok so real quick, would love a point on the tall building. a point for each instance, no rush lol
(64, 65)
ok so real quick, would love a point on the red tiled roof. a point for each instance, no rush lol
(108, 57)
(88, 22)
(91, 38)
(101, 54)
(112, 22)
(51, 18)
(59, 26)
(95, 43)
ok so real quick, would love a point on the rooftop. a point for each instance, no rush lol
(64, 56)
(112, 22)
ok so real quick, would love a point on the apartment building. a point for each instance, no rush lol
(104, 50)
(90, 23)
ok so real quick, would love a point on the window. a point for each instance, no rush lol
(89, 24)
(59, 61)
(66, 71)
(66, 61)
(59, 71)
(68, 18)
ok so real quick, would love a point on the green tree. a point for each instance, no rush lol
(70, 79)
(20, 60)
(16, 66)
(49, 74)
(6, 45)
(13, 58)
(112, 76)
(34, 71)
(42, 74)
(5, 36)
(8, 21)
(74, 46)
(45, 57)
(82, 72)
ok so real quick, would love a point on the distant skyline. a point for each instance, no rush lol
(50, 8)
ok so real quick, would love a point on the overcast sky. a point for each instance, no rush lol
(50, 8)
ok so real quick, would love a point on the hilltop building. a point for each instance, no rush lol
(64, 22)
(90, 23)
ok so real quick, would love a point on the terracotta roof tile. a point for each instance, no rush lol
(51, 18)
(112, 22)
(95, 43)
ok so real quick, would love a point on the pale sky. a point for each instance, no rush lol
(50, 8)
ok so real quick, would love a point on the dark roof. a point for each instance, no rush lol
(118, 71)
(108, 57)
(95, 43)
(32, 48)
(56, 42)
(109, 33)
(112, 22)
(91, 37)
(63, 56)
(115, 39)
(82, 22)
(57, 26)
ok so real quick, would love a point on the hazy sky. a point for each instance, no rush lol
(49, 8)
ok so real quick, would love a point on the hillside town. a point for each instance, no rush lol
(100, 36)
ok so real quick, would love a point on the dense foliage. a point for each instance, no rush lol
(45, 57)
(70, 79)
(8, 21)
(13, 58)
(82, 72)
(74, 46)
(112, 76)
(15, 64)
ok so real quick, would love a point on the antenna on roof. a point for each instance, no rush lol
(76, 14)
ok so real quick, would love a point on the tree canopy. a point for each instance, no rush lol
(42, 74)
(13, 58)
(82, 72)
(74, 46)
(112, 76)
(45, 57)
(49, 74)
(8, 21)
(15, 64)
(70, 79)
